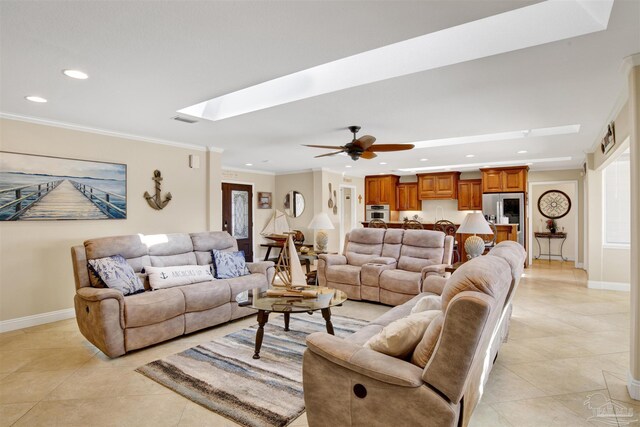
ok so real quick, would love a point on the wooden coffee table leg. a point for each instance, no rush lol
(326, 313)
(286, 321)
(263, 317)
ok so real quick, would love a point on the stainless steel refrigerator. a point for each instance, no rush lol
(511, 205)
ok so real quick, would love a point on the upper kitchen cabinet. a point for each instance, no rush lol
(442, 185)
(407, 197)
(381, 190)
(470, 195)
(505, 180)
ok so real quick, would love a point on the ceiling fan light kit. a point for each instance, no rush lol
(361, 147)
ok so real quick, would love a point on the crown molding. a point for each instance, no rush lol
(258, 172)
(215, 149)
(81, 128)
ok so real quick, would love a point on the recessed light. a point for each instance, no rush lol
(383, 163)
(33, 98)
(348, 166)
(522, 152)
(470, 155)
(76, 74)
(380, 173)
(248, 164)
(423, 160)
(485, 166)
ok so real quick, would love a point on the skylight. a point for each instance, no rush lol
(534, 25)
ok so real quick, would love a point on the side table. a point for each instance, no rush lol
(549, 237)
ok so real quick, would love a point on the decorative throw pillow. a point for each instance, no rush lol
(424, 349)
(117, 274)
(429, 302)
(229, 264)
(168, 277)
(401, 336)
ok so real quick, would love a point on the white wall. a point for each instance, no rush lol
(35, 265)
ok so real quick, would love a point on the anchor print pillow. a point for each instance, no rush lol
(116, 274)
(229, 264)
(168, 277)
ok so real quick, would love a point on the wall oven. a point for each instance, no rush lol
(377, 212)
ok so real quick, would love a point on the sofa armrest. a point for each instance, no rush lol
(365, 361)
(433, 270)
(434, 284)
(261, 267)
(333, 259)
(384, 260)
(98, 294)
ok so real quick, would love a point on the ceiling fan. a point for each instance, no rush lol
(361, 147)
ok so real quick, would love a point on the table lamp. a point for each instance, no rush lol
(321, 222)
(474, 223)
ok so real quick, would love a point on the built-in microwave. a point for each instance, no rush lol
(377, 212)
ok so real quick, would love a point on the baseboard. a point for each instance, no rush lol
(633, 385)
(579, 265)
(608, 286)
(36, 319)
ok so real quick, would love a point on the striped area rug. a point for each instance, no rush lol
(222, 375)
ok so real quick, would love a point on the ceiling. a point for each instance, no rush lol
(146, 60)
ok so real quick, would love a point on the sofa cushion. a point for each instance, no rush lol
(116, 274)
(349, 274)
(392, 243)
(244, 283)
(130, 246)
(210, 240)
(421, 248)
(228, 265)
(401, 281)
(429, 302)
(205, 295)
(424, 349)
(363, 335)
(168, 277)
(400, 337)
(486, 274)
(187, 258)
(363, 245)
(398, 311)
(153, 307)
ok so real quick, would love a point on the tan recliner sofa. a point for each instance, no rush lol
(117, 324)
(387, 266)
(346, 384)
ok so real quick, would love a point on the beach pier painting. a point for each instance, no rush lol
(36, 187)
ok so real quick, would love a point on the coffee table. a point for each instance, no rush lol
(257, 299)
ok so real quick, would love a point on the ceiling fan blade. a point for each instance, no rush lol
(329, 154)
(368, 155)
(364, 142)
(331, 147)
(391, 147)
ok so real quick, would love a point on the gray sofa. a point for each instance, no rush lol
(117, 324)
(387, 266)
(347, 384)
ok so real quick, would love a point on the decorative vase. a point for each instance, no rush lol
(552, 230)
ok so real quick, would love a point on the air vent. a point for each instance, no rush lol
(184, 120)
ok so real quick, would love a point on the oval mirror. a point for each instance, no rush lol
(294, 203)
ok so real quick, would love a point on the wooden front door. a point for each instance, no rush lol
(237, 218)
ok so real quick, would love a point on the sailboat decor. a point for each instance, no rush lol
(277, 227)
(288, 268)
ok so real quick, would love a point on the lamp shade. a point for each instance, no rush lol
(474, 223)
(321, 221)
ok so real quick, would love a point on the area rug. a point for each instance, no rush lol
(222, 375)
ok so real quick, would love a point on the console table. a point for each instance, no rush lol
(549, 237)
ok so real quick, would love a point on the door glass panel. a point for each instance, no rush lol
(240, 214)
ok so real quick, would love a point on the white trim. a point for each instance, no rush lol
(608, 286)
(621, 246)
(579, 265)
(81, 128)
(633, 386)
(354, 208)
(577, 207)
(258, 172)
(215, 149)
(36, 319)
(253, 211)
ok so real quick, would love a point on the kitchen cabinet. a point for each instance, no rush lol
(470, 195)
(442, 185)
(407, 197)
(505, 180)
(381, 190)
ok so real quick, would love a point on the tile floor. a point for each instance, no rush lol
(566, 343)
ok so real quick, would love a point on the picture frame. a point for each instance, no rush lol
(264, 200)
(47, 188)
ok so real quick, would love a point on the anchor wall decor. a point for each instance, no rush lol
(156, 201)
